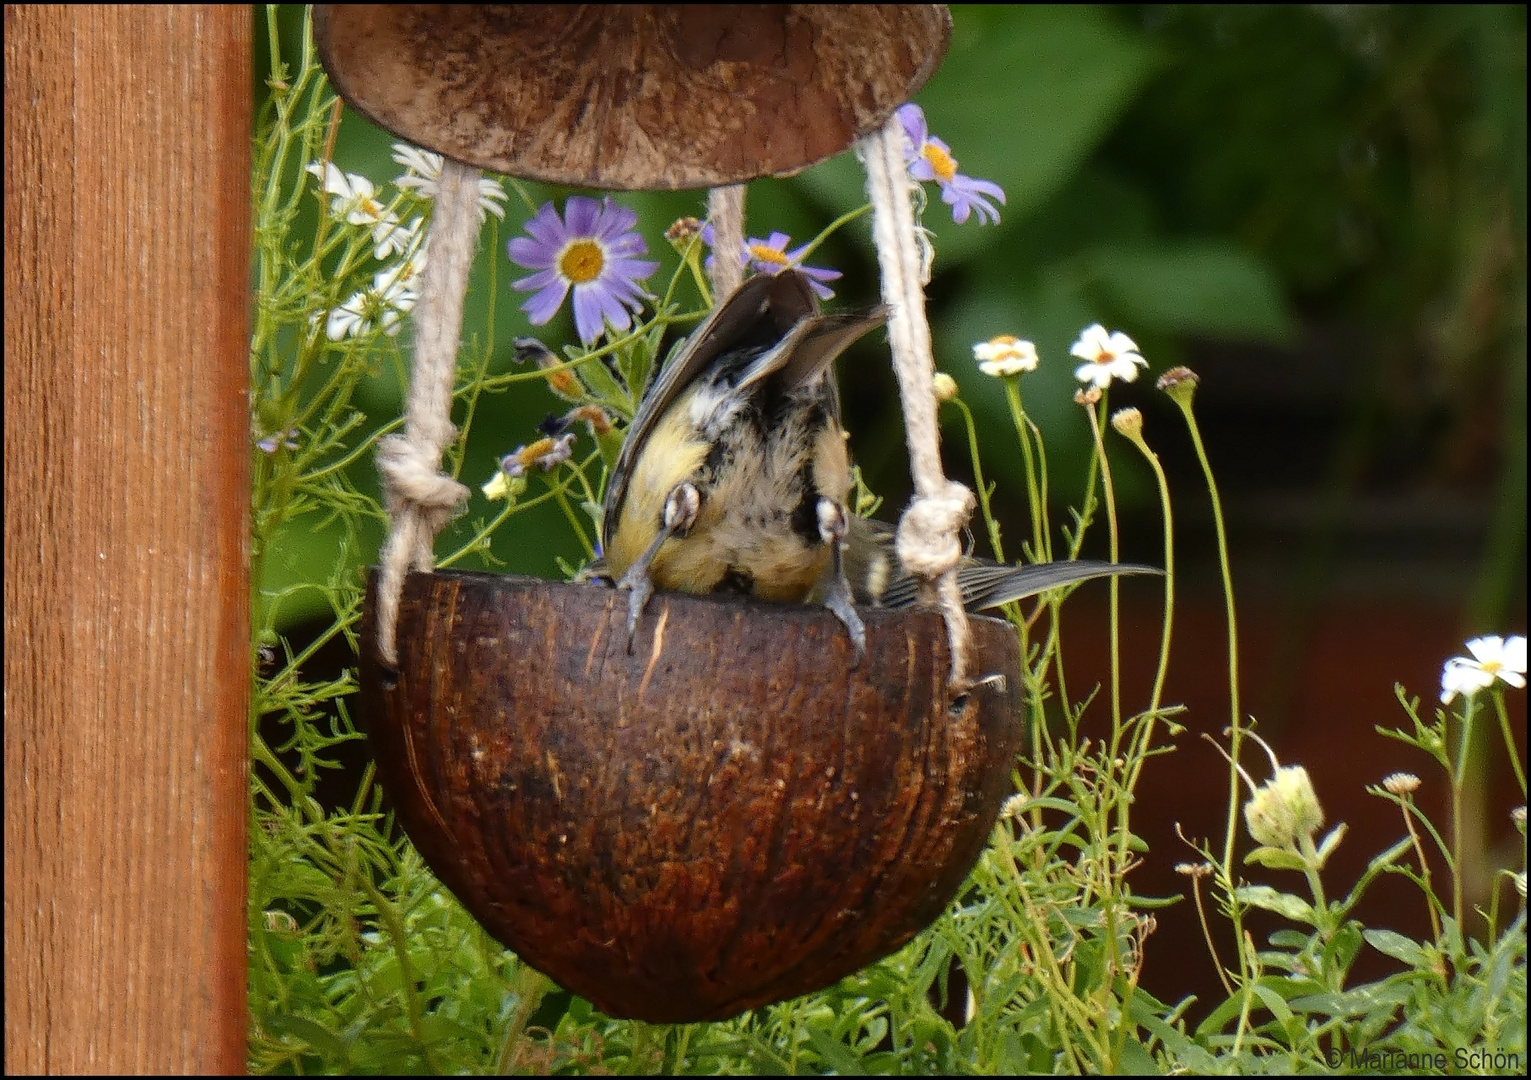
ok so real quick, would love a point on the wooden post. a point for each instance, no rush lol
(127, 181)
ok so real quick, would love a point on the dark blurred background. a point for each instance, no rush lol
(1319, 209)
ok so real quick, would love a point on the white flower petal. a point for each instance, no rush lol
(423, 163)
(490, 195)
(333, 179)
(1119, 342)
(1493, 658)
(1486, 650)
(1091, 344)
(1097, 374)
(1005, 355)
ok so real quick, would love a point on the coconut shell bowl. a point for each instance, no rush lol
(726, 816)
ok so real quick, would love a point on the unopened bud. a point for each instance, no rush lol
(594, 416)
(561, 380)
(1179, 383)
(945, 387)
(1283, 809)
(1128, 422)
(681, 233)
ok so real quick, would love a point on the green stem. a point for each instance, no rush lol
(390, 916)
(978, 481)
(1509, 741)
(1315, 884)
(1042, 493)
(532, 987)
(478, 538)
(1236, 731)
(1096, 416)
(559, 493)
(1235, 727)
(1023, 433)
(1458, 801)
(829, 230)
(1143, 739)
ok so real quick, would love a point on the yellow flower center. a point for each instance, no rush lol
(582, 261)
(768, 254)
(944, 165)
(1491, 667)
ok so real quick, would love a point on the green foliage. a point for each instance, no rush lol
(361, 962)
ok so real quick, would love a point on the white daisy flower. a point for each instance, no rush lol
(1493, 658)
(423, 174)
(1106, 356)
(1005, 355)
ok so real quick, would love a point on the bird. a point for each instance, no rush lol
(734, 475)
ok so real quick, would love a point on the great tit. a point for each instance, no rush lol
(734, 474)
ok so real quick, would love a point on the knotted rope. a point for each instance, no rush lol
(929, 533)
(418, 496)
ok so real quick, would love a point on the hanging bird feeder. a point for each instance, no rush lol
(729, 814)
(727, 817)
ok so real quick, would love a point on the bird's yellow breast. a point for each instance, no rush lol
(745, 537)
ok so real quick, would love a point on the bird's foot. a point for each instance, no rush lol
(834, 523)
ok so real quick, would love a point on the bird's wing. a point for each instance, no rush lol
(983, 582)
(785, 297)
(812, 346)
(987, 584)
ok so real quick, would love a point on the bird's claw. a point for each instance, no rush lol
(834, 524)
(839, 601)
(681, 508)
(639, 588)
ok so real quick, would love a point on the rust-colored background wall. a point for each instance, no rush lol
(127, 164)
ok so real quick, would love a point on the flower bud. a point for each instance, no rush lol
(680, 233)
(1179, 383)
(1284, 809)
(1128, 422)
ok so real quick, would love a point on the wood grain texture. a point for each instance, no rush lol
(127, 157)
(727, 816)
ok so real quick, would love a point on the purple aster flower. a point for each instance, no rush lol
(770, 256)
(931, 159)
(593, 249)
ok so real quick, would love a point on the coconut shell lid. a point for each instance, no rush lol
(641, 96)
